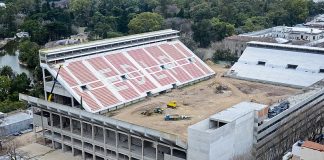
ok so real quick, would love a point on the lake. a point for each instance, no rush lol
(13, 62)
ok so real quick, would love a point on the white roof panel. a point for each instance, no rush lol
(275, 68)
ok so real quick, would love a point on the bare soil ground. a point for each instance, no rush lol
(200, 101)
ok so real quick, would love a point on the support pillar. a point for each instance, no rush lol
(51, 120)
(105, 146)
(129, 146)
(43, 132)
(142, 148)
(156, 150)
(117, 153)
(61, 127)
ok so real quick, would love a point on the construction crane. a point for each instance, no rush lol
(55, 80)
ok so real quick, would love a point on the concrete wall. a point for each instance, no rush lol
(226, 142)
(12, 128)
(311, 154)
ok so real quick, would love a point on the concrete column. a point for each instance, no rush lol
(117, 153)
(44, 83)
(93, 141)
(171, 153)
(43, 132)
(142, 148)
(61, 127)
(82, 141)
(129, 146)
(72, 102)
(105, 147)
(156, 150)
(51, 120)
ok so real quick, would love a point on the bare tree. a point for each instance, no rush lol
(11, 149)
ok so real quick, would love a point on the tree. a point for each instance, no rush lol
(81, 10)
(202, 11)
(4, 87)
(20, 83)
(6, 71)
(37, 32)
(29, 53)
(256, 23)
(211, 30)
(145, 22)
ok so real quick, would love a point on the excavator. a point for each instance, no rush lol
(49, 98)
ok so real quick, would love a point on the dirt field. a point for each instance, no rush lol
(200, 101)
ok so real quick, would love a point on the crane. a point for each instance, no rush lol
(55, 80)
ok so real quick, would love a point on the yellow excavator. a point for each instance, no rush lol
(172, 104)
(49, 98)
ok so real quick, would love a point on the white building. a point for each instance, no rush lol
(290, 33)
(306, 150)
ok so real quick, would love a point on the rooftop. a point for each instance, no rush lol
(14, 118)
(313, 145)
(295, 66)
(200, 101)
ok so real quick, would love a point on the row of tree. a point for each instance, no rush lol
(110, 18)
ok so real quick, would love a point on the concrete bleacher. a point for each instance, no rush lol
(115, 78)
(280, 64)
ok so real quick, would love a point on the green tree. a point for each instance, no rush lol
(20, 83)
(37, 32)
(211, 30)
(145, 22)
(29, 53)
(256, 23)
(81, 10)
(297, 11)
(6, 71)
(202, 11)
(4, 87)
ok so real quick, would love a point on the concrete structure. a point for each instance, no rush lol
(306, 150)
(22, 35)
(280, 34)
(15, 123)
(226, 134)
(294, 66)
(317, 22)
(290, 33)
(220, 128)
(237, 44)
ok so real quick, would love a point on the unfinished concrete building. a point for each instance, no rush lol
(104, 87)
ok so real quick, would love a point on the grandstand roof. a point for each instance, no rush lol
(116, 78)
(283, 64)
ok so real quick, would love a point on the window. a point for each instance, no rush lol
(261, 63)
(216, 124)
(291, 66)
(321, 71)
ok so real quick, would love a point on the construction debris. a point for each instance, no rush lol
(150, 112)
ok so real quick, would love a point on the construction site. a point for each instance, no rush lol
(148, 96)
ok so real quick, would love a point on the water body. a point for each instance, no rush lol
(13, 62)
